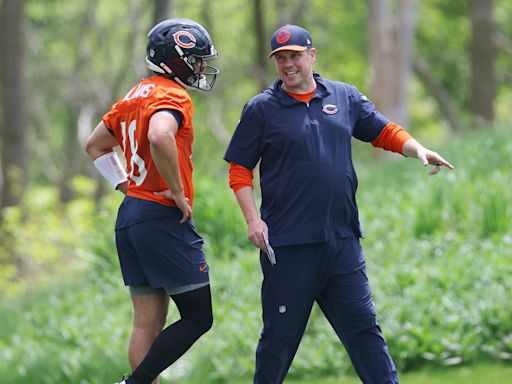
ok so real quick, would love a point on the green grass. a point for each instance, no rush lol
(478, 374)
(475, 374)
(438, 254)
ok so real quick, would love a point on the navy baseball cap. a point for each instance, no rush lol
(290, 38)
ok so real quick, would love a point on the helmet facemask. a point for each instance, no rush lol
(201, 78)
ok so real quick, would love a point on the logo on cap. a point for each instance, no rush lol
(283, 36)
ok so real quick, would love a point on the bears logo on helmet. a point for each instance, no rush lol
(178, 38)
(180, 50)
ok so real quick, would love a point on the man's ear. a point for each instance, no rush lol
(312, 52)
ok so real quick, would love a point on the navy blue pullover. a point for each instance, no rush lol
(308, 182)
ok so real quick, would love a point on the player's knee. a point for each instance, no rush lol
(204, 324)
(156, 322)
(200, 323)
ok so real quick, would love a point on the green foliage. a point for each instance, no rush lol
(474, 374)
(68, 333)
(438, 248)
(44, 237)
(443, 39)
(445, 48)
(218, 218)
(438, 256)
(83, 55)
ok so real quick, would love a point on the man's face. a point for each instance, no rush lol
(295, 69)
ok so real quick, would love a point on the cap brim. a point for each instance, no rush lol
(288, 48)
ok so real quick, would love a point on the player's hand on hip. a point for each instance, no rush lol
(183, 204)
(181, 201)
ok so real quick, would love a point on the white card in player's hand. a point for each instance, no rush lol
(270, 252)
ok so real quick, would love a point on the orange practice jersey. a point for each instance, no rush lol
(129, 121)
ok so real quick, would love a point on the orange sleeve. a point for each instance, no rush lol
(239, 176)
(392, 138)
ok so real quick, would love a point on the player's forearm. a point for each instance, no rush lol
(165, 156)
(95, 152)
(100, 142)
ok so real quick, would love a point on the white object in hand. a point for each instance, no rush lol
(270, 252)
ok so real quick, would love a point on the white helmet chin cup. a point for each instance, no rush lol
(204, 80)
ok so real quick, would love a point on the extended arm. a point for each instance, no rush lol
(396, 139)
(413, 148)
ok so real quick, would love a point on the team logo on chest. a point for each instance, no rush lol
(330, 109)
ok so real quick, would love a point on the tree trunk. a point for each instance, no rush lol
(73, 148)
(14, 123)
(291, 12)
(391, 52)
(213, 104)
(446, 105)
(483, 54)
(381, 55)
(162, 10)
(261, 45)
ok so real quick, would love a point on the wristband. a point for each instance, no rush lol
(111, 168)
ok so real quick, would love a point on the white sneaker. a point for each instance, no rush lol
(123, 381)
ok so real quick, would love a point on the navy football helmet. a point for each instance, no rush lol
(176, 47)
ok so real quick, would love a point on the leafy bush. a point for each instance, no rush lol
(44, 237)
(438, 254)
(218, 218)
